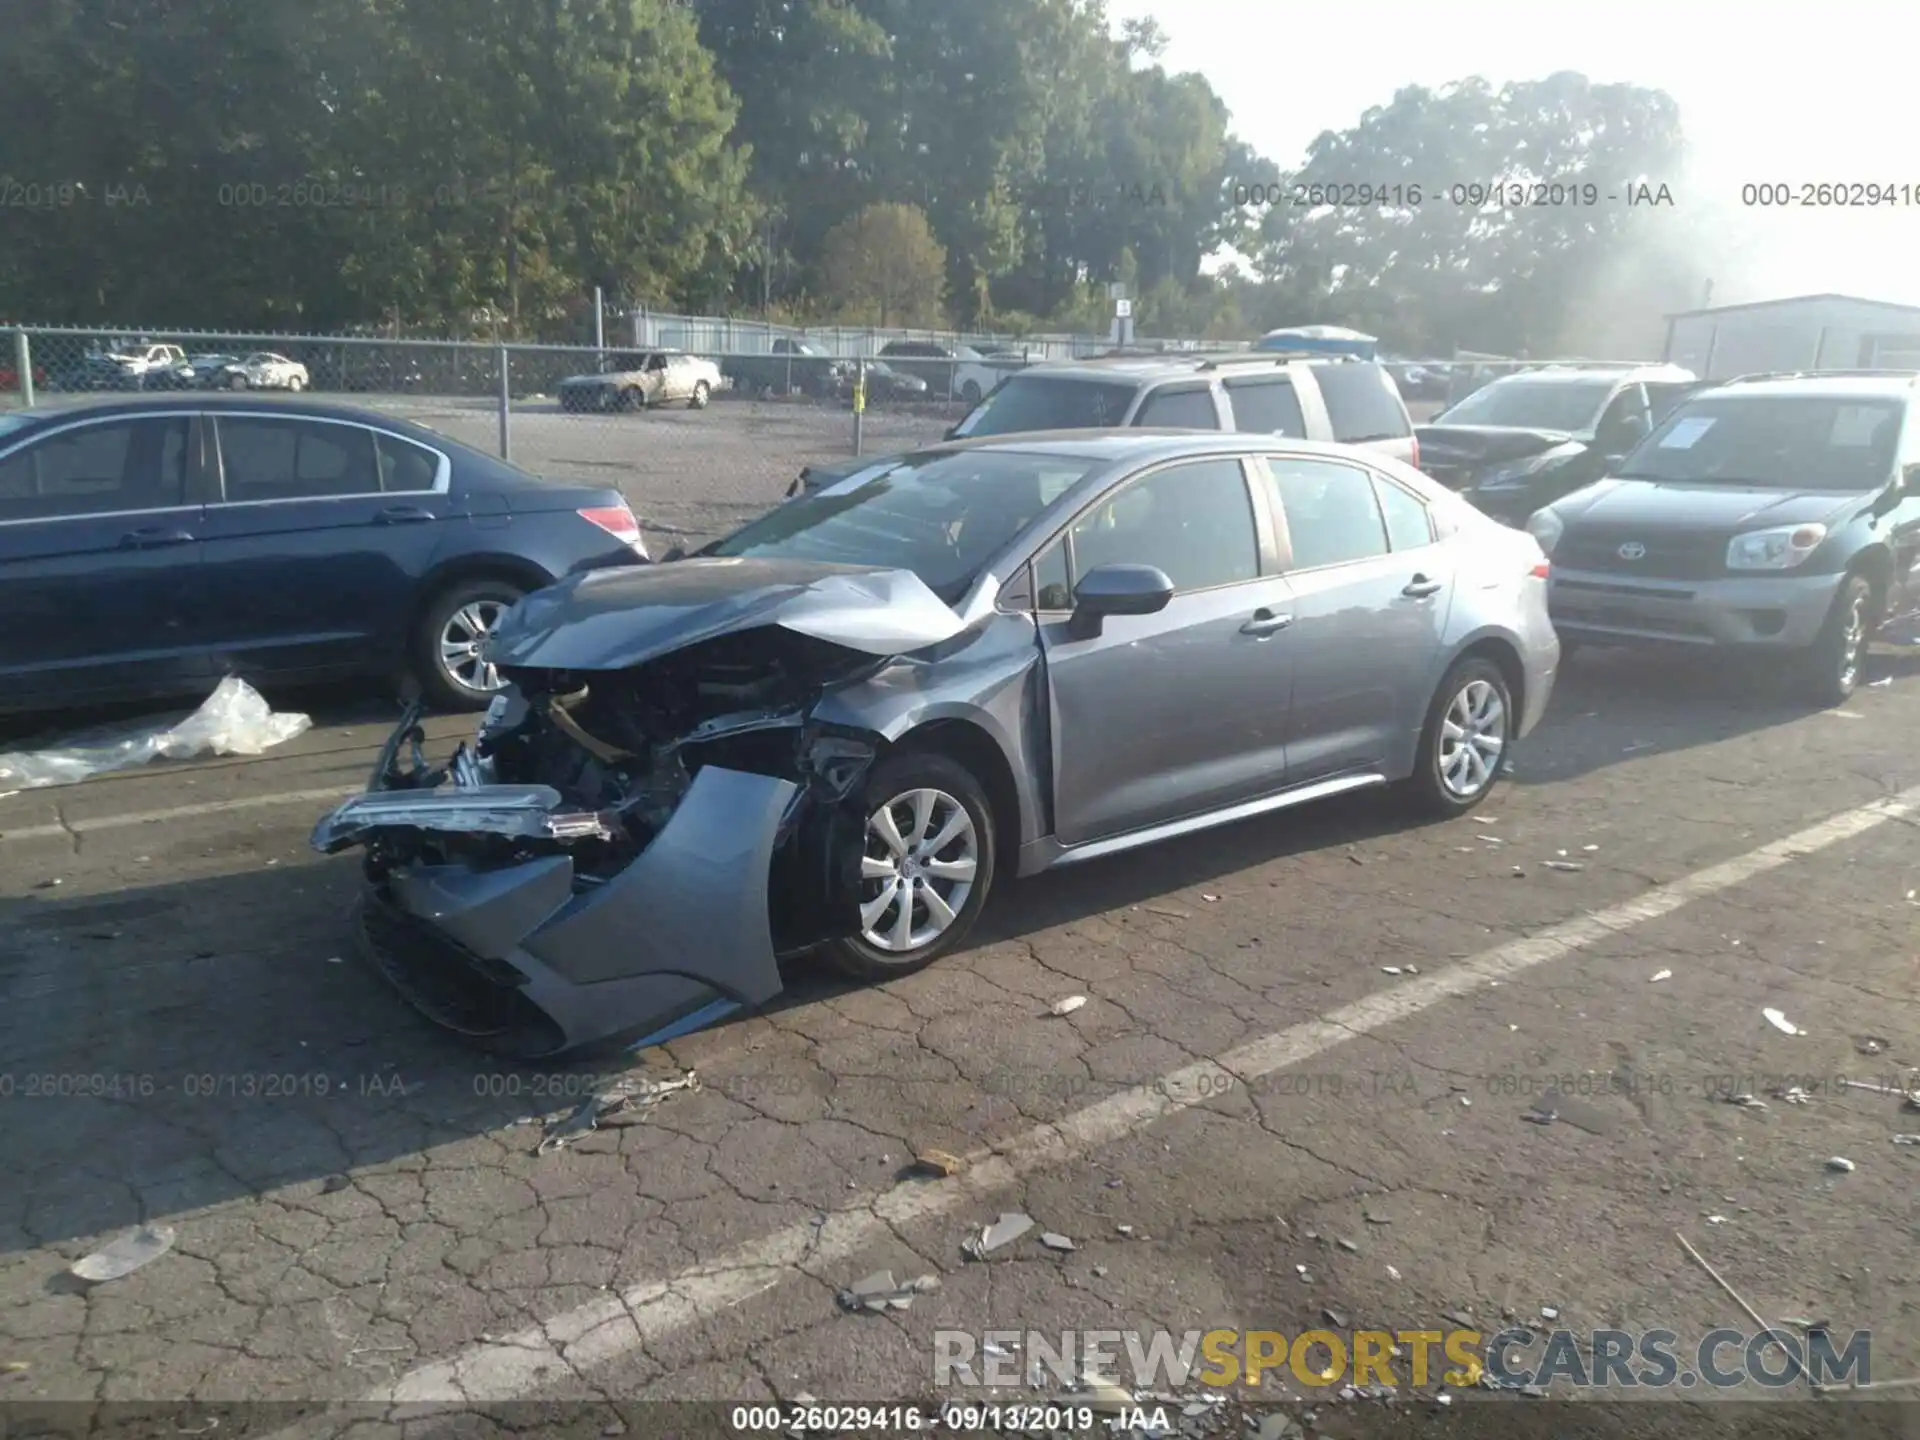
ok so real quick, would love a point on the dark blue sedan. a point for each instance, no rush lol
(152, 544)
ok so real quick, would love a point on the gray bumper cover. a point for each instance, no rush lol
(675, 941)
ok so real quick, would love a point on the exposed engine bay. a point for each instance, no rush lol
(695, 782)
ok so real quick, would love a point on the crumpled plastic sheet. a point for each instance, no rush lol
(234, 720)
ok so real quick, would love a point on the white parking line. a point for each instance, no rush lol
(87, 825)
(519, 1365)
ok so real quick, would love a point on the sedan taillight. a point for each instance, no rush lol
(619, 522)
(1415, 460)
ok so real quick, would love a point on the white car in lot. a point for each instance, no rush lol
(975, 379)
(263, 370)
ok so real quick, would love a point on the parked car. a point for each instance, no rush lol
(789, 365)
(147, 358)
(883, 381)
(1777, 514)
(208, 372)
(10, 376)
(637, 381)
(124, 366)
(932, 361)
(1525, 440)
(839, 725)
(264, 370)
(149, 546)
(1322, 397)
(975, 379)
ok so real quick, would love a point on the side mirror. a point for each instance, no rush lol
(1117, 590)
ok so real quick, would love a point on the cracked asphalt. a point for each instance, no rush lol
(188, 1037)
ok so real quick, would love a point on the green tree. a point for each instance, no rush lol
(884, 265)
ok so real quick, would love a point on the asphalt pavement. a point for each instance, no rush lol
(1299, 1088)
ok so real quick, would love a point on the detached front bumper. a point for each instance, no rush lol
(1777, 612)
(531, 959)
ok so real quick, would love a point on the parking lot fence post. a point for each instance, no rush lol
(23, 365)
(506, 408)
(859, 401)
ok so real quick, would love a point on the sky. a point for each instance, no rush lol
(1822, 92)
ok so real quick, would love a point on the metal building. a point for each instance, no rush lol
(1805, 332)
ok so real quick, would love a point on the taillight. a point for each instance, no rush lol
(617, 521)
(1415, 462)
(1539, 572)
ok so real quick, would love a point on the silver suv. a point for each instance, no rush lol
(1318, 397)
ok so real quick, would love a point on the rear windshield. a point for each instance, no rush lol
(944, 517)
(1794, 442)
(1048, 402)
(1569, 405)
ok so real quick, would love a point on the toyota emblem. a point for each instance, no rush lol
(1633, 550)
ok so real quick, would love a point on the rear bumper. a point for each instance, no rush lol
(532, 961)
(1780, 612)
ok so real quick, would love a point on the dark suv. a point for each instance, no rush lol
(1319, 397)
(1530, 437)
(1774, 513)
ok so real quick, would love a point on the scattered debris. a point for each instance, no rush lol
(1793, 1095)
(335, 960)
(52, 884)
(1390, 969)
(938, 1162)
(1547, 1312)
(1732, 1294)
(1906, 1139)
(1882, 683)
(633, 1096)
(1124, 1229)
(1068, 1005)
(1781, 1023)
(1334, 1318)
(1716, 1219)
(1413, 969)
(1466, 1100)
(233, 720)
(122, 1257)
(1348, 1246)
(1912, 1097)
(1871, 1044)
(1841, 1164)
(1590, 849)
(879, 1291)
(1055, 1241)
(1486, 819)
(1373, 1219)
(1392, 1274)
(1099, 1272)
(334, 1184)
(1661, 975)
(1563, 864)
(1459, 1318)
(1169, 911)
(1746, 1102)
(1011, 1225)
(1102, 1394)
(1539, 1116)
(1210, 899)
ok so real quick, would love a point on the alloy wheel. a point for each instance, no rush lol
(922, 854)
(1473, 737)
(460, 642)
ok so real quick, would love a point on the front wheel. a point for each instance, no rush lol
(447, 642)
(237, 382)
(926, 869)
(1831, 666)
(630, 400)
(296, 384)
(1463, 746)
(702, 393)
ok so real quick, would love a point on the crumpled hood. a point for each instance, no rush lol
(1478, 445)
(1699, 508)
(613, 619)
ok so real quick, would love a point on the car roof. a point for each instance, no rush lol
(1885, 384)
(214, 401)
(1613, 374)
(1196, 364)
(1142, 444)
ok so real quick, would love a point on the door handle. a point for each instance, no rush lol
(154, 537)
(1265, 622)
(1420, 587)
(402, 515)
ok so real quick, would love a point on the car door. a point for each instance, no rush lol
(1177, 713)
(318, 540)
(1370, 605)
(100, 551)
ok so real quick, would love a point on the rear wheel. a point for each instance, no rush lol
(1831, 666)
(970, 392)
(1463, 747)
(630, 399)
(447, 642)
(702, 393)
(926, 869)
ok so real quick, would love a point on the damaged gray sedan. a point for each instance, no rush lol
(837, 726)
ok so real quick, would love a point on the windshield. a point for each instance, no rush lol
(941, 516)
(1570, 405)
(1048, 402)
(1796, 442)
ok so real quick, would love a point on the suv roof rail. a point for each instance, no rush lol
(1863, 373)
(1273, 357)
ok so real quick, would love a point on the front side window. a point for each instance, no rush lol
(1193, 521)
(1786, 442)
(1179, 410)
(1331, 514)
(97, 469)
(295, 460)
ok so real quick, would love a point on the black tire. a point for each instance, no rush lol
(1830, 667)
(898, 777)
(702, 393)
(236, 382)
(629, 400)
(444, 688)
(1429, 789)
(970, 393)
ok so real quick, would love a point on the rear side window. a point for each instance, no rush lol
(405, 466)
(1362, 403)
(1266, 407)
(1408, 525)
(1179, 410)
